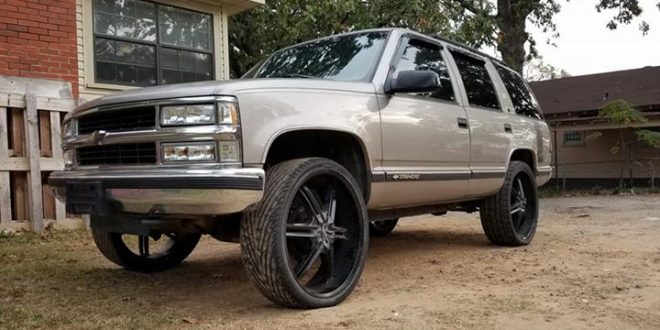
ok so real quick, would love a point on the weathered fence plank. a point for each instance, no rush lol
(4, 134)
(45, 138)
(5, 199)
(17, 132)
(31, 148)
(36, 210)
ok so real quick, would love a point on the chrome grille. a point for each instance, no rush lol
(117, 154)
(124, 120)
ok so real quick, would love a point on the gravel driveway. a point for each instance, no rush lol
(595, 263)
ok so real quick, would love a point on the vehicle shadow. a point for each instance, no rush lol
(213, 280)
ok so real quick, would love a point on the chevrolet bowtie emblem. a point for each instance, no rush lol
(98, 136)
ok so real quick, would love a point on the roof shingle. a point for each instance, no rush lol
(640, 87)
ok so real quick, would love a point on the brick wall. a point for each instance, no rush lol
(38, 40)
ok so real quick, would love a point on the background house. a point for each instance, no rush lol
(101, 46)
(571, 107)
(56, 54)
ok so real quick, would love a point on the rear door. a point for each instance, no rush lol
(529, 128)
(426, 141)
(489, 125)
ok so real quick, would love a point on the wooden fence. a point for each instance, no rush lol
(31, 113)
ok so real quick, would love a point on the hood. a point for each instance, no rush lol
(224, 88)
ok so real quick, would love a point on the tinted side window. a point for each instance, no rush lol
(478, 85)
(519, 93)
(424, 56)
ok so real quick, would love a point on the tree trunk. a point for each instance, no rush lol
(512, 37)
(624, 150)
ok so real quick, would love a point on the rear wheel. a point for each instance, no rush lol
(510, 217)
(382, 227)
(147, 254)
(305, 244)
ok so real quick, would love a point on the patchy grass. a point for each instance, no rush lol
(58, 281)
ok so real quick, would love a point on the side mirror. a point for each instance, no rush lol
(413, 82)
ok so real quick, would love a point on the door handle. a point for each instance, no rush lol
(507, 128)
(463, 122)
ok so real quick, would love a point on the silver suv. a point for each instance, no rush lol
(317, 147)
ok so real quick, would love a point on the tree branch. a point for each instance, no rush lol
(469, 6)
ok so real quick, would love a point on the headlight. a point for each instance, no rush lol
(189, 152)
(228, 113)
(69, 129)
(178, 115)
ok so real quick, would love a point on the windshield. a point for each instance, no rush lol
(349, 57)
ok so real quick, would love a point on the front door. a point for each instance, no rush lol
(426, 139)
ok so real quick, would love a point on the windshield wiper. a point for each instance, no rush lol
(298, 75)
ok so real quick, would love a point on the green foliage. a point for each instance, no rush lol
(622, 113)
(258, 32)
(651, 138)
(537, 70)
(510, 18)
(626, 11)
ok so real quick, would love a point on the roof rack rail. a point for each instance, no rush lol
(459, 44)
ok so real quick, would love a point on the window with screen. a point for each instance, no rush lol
(573, 138)
(425, 56)
(140, 43)
(478, 84)
(519, 93)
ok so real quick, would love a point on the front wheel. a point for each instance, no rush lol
(305, 244)
(510, 217)
(146, 254)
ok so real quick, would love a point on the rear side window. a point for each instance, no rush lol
(520, 94)
(478, 85)
(424, 56)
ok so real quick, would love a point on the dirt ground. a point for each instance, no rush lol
(595, 263)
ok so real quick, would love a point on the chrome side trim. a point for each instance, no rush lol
(419, 176)
(488, 175)
(377, 177)
(545, 170)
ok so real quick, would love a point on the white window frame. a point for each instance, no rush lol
(219, 26)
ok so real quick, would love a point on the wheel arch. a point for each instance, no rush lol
(527, 156)
(329, 143)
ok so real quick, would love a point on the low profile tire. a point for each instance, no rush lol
(305, 244)
(510, 217)
(146, 254)
(382, 228)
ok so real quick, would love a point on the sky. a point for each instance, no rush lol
(586, 46)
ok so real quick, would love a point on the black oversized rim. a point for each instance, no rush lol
(523, 206)
(151, 246)
(324, 235)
